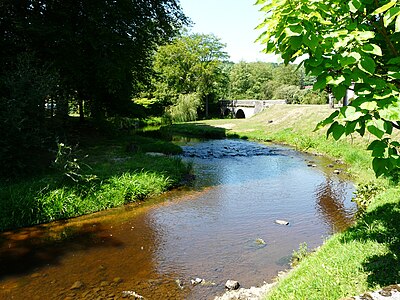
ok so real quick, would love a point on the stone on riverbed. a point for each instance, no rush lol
(196, 281)
(232, 285)
(282, 222)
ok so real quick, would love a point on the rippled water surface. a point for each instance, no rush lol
(209, 230)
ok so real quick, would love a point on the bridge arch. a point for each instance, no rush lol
(240, 114)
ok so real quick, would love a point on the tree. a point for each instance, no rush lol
(99, 47)
(95, 52)
(191, 63)
(345, 43)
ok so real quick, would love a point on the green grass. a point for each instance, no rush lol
(118, 182)
(108, 171)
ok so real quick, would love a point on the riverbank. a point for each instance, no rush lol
(97, 171)
(366, 256)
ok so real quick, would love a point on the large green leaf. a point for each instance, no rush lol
(378, 148)
(337, 130)
(376, 127)
(379, 165)
(339, 91)
(372, 48)
(367, 64)
(355, 5)
(384, 8)
(390, 15)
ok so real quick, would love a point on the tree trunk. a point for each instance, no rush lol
(81, 113)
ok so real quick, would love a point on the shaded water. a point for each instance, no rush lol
(207, 231)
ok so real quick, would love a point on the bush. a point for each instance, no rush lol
(290, 93)
(186, 107)
(309, 96)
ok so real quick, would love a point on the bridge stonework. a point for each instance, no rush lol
(241, 109)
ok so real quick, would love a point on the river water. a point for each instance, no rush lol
(210, 230)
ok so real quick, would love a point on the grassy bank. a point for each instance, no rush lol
(103, 171)
(366, 256)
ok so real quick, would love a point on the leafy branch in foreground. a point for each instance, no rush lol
(347, 45)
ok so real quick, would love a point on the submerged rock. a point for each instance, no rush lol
(260, 241)
(232, 285)
(77, 285)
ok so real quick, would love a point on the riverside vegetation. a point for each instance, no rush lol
(109, 168)
(364, 257)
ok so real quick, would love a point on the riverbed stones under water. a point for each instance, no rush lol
(231, 148)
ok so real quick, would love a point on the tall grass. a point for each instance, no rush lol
(117, 178)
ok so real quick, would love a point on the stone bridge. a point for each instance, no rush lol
(241, 109)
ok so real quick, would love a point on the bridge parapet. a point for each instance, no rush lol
(246, 108)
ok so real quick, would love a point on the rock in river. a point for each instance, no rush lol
(232, 285)
(282, 222)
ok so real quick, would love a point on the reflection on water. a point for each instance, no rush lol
(209, 231)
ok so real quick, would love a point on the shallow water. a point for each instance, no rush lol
(208, 230)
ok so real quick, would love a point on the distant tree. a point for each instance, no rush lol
(248, 80)
(191, 63)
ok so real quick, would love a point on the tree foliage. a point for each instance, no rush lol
(97, 52)
(191, 63)
(354, 42)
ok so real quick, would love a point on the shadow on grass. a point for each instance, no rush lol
(382, 225)
(25, 250)
(198, 130)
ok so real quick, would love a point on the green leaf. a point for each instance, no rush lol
(355, 55)
(337, 130)
(378, 148)
(376, 127)
(367, 64)
(394, 75)
(327, 121)
(379, 166)
(339, 91)
(369, 105)
(384, 8)
(372, 48)
(295, 30)
(355, 5)
(394, 61)
(351, 114)
(365, 35)
(397, 24)
(347, 60)
(350, 127)
(391, 112)
(390, 15)
(335, 81)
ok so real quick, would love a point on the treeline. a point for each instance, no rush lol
(192, 73)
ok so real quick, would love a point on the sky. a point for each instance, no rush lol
(233, 21)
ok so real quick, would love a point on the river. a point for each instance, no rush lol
(220, 227)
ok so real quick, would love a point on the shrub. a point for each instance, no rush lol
(309, 96)
(288, 92)
(186, 107)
